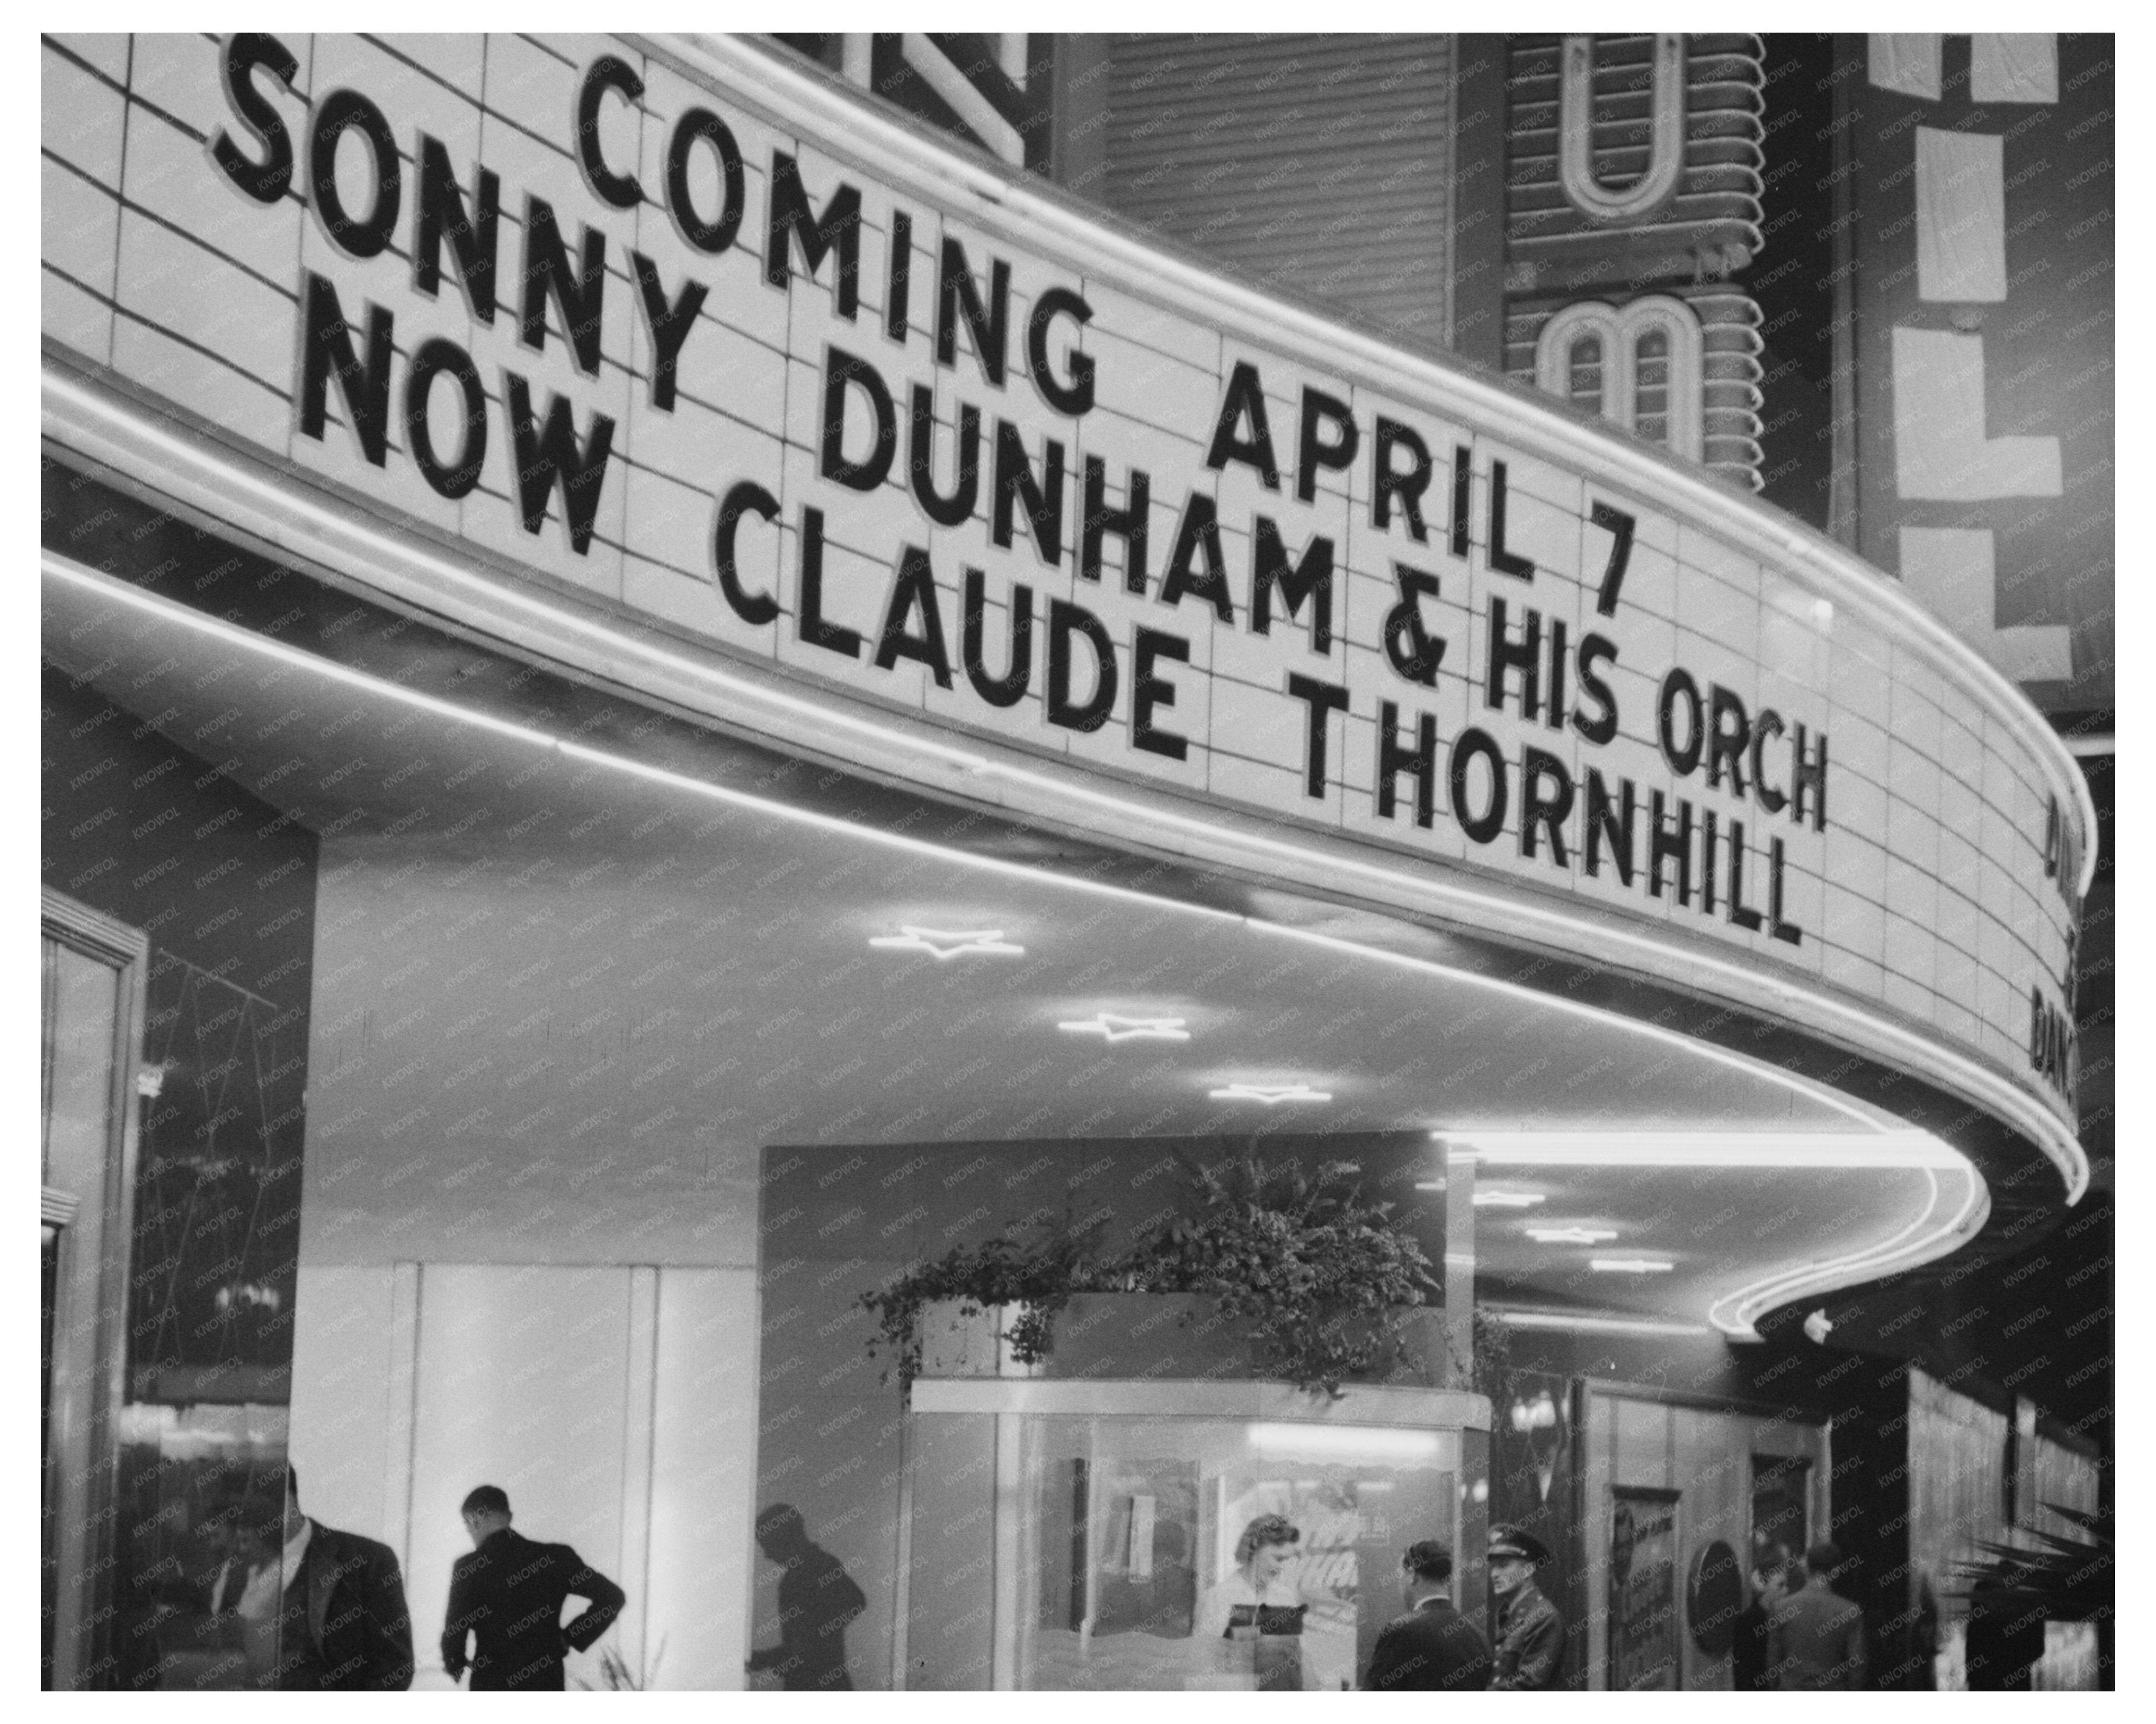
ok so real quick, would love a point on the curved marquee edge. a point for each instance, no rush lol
(348, 542)
(853, 128)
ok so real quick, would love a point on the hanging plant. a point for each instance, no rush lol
(1312, 1268)
(1314, 1272)
(1038, 1276)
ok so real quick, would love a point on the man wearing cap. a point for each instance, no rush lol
(507, 1596)
(1433, 1645)
(1530, 1632)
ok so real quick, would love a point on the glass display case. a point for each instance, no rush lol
(1182, 1536)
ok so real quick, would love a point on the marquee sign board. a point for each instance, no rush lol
(652, 339)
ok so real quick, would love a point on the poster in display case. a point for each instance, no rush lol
(1142, 1575)
(1643, 1588)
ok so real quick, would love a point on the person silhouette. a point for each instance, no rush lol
(817, 1599)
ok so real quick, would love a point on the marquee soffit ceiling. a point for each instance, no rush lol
(559, 991)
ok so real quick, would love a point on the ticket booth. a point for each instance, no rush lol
(1070, 1531)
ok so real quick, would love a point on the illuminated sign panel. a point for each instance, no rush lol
(646, 337)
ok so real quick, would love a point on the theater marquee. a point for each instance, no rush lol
(913, 431)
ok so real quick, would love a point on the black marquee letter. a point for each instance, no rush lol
(957, 296)
(337, 112)
(745, 497)
(326, 351)
(840, 369)
(701, 124)
(1245, 398)
(268, 180)
(1149, 691)
(1074, 398)
(1387, 483)
(442, 217)
(957, 509)
(1064, 620)
(809, 621)
(1311, 578)
(549, 457)
(1506, 563)
(1311, 453)
(607, 72)
(791, 218)
(1008, 688)
(580, 298)
(433, 359)
(1466, 746)
(1322, 699)
(668, 325)
(1679, 685)
(915, 591)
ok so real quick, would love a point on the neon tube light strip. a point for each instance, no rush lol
(1732, 1149)
(1735, 1313)
(120, 592)
(1591, 1322)
(1818, 1093)
(109, 430)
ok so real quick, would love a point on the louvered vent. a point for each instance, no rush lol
(1320, 165)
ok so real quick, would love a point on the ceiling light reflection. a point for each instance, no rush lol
(1345, 1442)
(1269, 1095)
(941, 946)
(1112, 1029)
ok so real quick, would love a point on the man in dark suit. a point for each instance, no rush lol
(327, 1613)
(1815, 1637)
(1433, 1645)
(507, 1596)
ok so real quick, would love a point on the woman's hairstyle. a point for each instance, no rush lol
(1266, 1529)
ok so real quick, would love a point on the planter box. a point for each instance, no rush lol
(962, 1339)
(1151, 1337)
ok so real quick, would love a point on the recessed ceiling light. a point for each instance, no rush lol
(1630, 1265)
(1507, 1199)
(941, 946)
(1112, 1028)
(1269, 1094)
(1569, 1235)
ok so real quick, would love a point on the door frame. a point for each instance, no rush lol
(89, 1383)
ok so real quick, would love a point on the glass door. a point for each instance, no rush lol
(90, 1030)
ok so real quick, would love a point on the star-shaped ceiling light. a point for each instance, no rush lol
(1507, 1199)
(1269, 1095)
(1112, 1028)
(941, 946)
